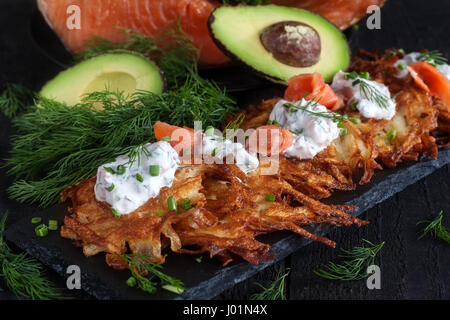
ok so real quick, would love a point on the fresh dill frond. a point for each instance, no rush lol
(15, 99)
(367, 89)
(57, 145)
(176, 61)
(436, 229)
(22, 274)
(230, 129)
(140, 265)
(275, 291)
(433, 57)
(354, 265)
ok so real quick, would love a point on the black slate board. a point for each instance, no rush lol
(206, 279)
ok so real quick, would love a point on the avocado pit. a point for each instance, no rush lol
(292, 43)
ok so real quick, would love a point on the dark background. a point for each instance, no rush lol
(410, 268)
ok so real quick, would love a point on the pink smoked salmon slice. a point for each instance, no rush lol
(343, 13)
(101, 18)
(312, 86)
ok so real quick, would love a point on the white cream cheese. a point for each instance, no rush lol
(219, 148)
(366, 105)
(413, 57)
(126, 186)
(312, 133)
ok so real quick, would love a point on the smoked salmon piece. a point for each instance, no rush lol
(276, 140)
(343, 13)
(102, 17)
(431, 80)
(312, 86)
(181, 139)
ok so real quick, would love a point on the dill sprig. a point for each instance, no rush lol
(176, 61)
(59, 145)
(15, 99)
(436, 229)
(433, 57)
(22, 274)
(312, 104)
(140, 264)
(354, 265)
(368, 90)
(275, 291)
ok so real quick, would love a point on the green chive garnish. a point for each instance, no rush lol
(209, 131)
(341, 124)
(270, 197)
(36, 220)
(172, 203)
(215, 151)
(343, 132)
(114, 212)
(390, 135)
(167, 139)
(353, 105)
(131, 282)
(41, 230)
(110, 170)
(52, 224)
(154, 170)
(355, 120)
(139, 177)
(110, 188)
(199, 259)
(121, 169)
(402, 66)
(159, 214)
(173, 289)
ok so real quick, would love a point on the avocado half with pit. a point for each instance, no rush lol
(120, 70)
(280, 42)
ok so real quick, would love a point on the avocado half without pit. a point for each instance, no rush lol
(120, 70)
(280, 42)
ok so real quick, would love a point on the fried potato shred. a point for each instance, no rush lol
(231, 208)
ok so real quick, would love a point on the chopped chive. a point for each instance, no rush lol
(365, 75)
(110, 170)
(199, 259)
(270, 197)
(269, 122)
(154, 170)
(173, 289)
(355, 120)
(121, 169)
(401, 50)
(41, 230)
(401, 66)
(390, 135)
(343, 132)
(215, 151)
(36, 220)
(167, 139)
(172, 203)
(186, 204)
(131, 282)
(209, 131)
(159, 214)
(139, 177)
(353, 105)
(110, 188)
(114, 212)
(341, 124)
(355, 27)
(52, 224)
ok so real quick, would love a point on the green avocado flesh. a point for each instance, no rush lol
(237, 31)
(118, 71)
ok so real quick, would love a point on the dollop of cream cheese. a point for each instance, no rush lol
(312, 133)
(127, 191)
(413, 57)
(365, 105)
(219, 148)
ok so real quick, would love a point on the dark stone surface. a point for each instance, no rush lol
(410, 268)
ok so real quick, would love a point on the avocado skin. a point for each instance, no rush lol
(246, 65)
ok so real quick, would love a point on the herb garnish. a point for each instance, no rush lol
(275, 291)
(15, 99)
(354, 265)
(436, 229)
(22, 274)
(366, 89)
(140, 264)
(433, 57)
